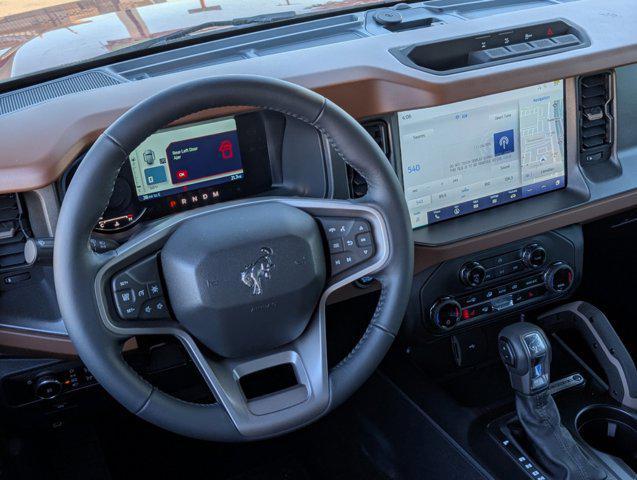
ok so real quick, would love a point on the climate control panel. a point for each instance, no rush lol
(501, 281)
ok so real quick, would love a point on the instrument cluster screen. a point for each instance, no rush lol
(179, 159)
(480, 153)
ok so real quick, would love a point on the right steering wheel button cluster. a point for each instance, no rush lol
(350, 242)
(137, 292)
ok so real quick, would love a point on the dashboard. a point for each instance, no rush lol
(523, 129)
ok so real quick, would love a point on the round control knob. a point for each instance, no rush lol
(47, 387)
(534, 255)
(388, 17)
(559, 277)
(445, 313)
(472, 274)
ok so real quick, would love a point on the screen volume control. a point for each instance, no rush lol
(472, 274)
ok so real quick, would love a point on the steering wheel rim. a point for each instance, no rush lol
(82, 276)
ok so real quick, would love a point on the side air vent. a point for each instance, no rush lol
(13, 232)
(26, 97)
(378, 130)
(595, 118)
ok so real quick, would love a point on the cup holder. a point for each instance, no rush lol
(610, 430)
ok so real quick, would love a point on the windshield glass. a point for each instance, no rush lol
(37, 35)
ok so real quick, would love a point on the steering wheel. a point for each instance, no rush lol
(244, 283)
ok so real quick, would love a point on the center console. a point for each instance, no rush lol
(500, 281)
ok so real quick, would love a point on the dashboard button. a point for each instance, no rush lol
(519, 48)
(472, 274)
(445, 313)
(542, 44)
(485, 308)
(534, 255)
(470, 300)
(489, 294)
(566, 40)
(529, 282)
(516, 267)
(500, 259)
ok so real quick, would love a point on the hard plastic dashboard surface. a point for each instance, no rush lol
(362, 76)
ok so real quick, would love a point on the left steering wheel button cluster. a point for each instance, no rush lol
(137, 292)
(350, 242)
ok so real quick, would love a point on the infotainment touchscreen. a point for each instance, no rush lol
(480, 153)
(194, 156)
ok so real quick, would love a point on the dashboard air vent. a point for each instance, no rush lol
(378, 130)
(26, 97)
(13, 233)
(596, 118)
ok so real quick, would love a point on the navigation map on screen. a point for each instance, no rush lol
(480, 153)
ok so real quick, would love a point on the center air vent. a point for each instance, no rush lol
(13, 233)
(378, 130)
(595, 118)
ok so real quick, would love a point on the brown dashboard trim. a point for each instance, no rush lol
(360, 75)
(26, 342)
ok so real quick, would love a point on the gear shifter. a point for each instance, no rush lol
(526, 353)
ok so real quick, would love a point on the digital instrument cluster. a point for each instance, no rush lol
(187, 166)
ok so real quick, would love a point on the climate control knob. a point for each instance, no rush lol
(472, 274)
(559, 277)
(445, 313)
(534, 255)
(47, 387)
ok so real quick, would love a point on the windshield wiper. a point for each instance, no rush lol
(235, 22)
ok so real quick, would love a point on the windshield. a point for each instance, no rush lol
(37, 35)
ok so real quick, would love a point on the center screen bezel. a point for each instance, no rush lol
(449, 212)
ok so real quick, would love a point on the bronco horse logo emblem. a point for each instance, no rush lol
(254, 273)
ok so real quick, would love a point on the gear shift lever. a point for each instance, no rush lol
(526, 353)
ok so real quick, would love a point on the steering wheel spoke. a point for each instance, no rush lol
(355, 235)
(303, 395)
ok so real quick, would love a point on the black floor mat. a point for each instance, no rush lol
(378, 435)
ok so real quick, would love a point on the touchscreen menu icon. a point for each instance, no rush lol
(503, 142)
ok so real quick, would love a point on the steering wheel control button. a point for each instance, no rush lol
(154, 309)
(125, 298)
(364, 239)
(136, 287)
(350, 242)
(336, 245)
(472, 274)
(154, 289)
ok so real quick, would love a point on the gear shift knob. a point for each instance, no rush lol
(526, 353)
